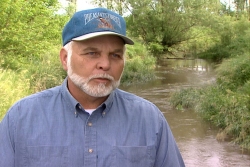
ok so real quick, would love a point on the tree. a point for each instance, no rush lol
(163, 22)
(28, 29)
(71, 9)
(242, 7)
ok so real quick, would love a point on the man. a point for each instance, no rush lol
(87, 121)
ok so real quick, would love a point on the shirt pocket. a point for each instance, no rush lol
(139, 156)
(49, 156)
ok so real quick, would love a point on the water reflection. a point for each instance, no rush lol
(187, 64)
(192, 72)
(195, 138)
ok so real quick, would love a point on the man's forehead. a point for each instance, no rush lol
(97, 45)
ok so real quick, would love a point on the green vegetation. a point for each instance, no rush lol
(12, 88)
(29, 36)
(139, 65)
(28, 30)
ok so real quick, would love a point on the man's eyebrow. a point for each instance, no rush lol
(96, 49)
(118, 50)
(90, 49)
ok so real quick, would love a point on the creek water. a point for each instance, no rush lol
(195, 138)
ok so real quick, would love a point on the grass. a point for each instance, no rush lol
(14, 85)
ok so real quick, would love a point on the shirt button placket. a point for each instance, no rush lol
(90, 142)
(90, 124)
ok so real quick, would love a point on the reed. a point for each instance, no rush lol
(14, 85)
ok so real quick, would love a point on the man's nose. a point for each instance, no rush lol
(104, 63)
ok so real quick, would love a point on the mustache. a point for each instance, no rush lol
(103, 76)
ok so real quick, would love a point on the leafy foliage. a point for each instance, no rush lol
(28, 29)
(233, 40)
(234, 72)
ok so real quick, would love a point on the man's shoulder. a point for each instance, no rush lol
(39, 97)
(44, 94)
(34, 104)
(132, 98)
(129, 96)
(136, 106)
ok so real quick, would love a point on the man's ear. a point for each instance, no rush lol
(63, 58)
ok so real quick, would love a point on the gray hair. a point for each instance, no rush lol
(68, 48)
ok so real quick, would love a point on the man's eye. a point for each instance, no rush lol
(116, 55)
(92, 53)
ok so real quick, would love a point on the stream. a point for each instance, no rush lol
(195, 138)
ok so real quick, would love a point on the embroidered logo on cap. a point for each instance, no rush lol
(108, 17)
(105, 23)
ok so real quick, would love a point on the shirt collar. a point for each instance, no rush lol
(109, 100)
(71, 101)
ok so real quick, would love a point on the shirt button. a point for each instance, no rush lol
(90, 150)
(103, 113)
(89, 124)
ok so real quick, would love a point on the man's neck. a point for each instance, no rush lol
(84, 99)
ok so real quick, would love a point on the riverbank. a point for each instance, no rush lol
(224, 103)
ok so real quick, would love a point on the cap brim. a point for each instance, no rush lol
(96, 34)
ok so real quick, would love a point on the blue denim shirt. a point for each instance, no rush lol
(51, 129)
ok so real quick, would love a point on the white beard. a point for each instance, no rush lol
(100, 90)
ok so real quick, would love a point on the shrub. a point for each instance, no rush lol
(229, 111)
(235, 72)
(45, 72)
(139, 65)
(185, 98)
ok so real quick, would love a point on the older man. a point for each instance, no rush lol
(88, 121)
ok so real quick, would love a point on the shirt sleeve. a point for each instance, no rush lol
(168, 154)
(6, 142)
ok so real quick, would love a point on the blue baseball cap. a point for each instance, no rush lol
(92, 23)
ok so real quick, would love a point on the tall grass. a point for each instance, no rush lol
(139, 66)
(14, 85)
(28, 76)
(45, 72)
